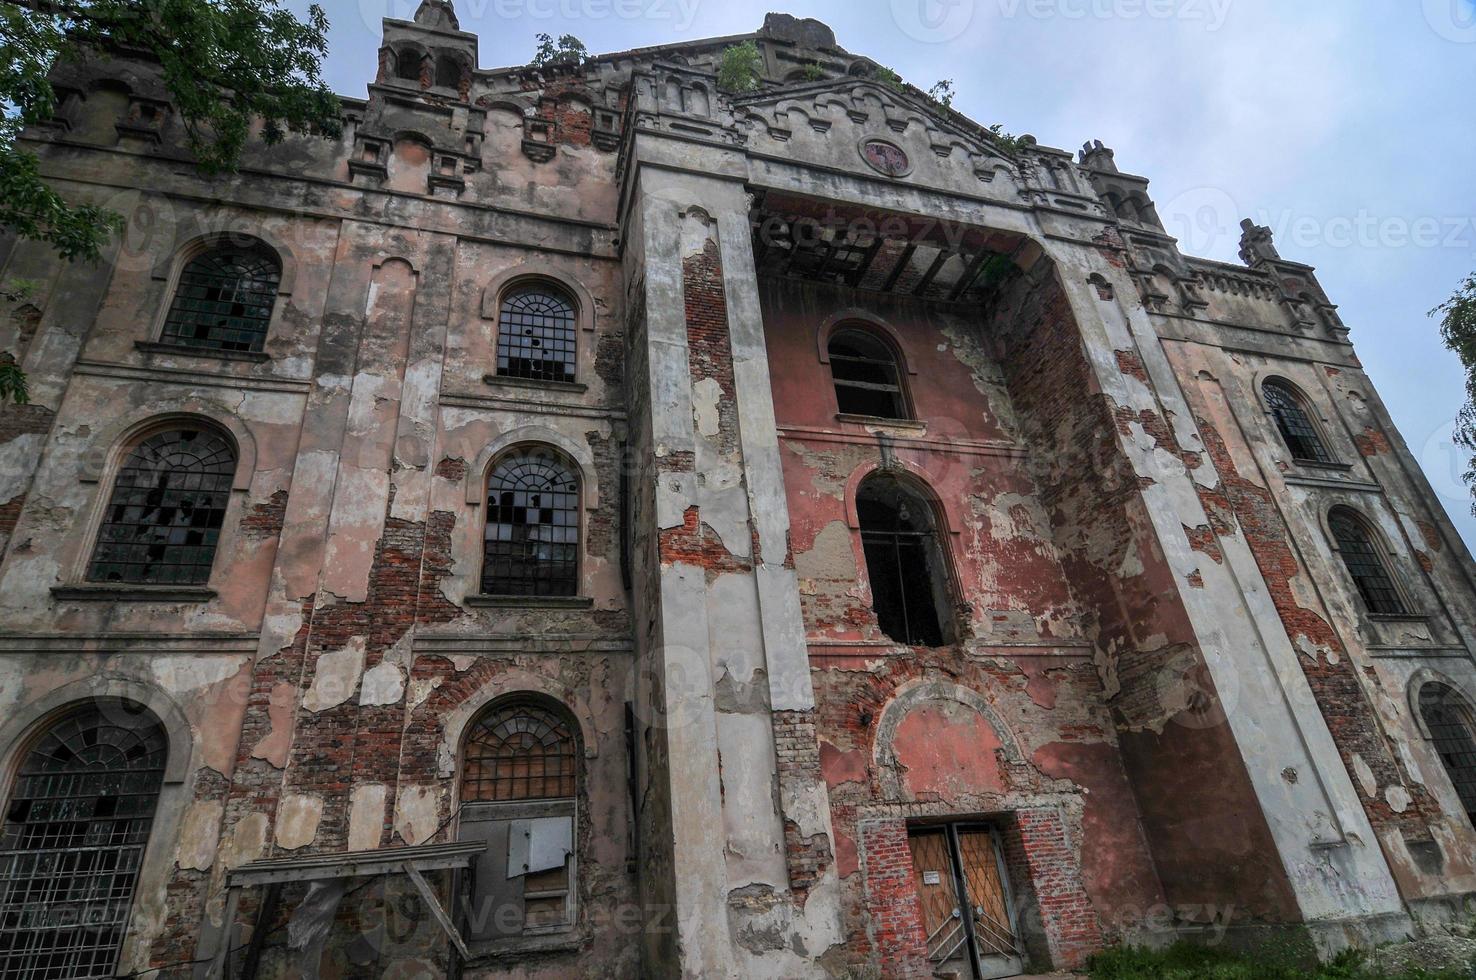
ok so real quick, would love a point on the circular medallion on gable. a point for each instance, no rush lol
(885, 158)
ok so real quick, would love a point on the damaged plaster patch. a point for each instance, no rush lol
(383, 684)
(274, 745)
(415, 814)
(707, 394)
(422, 688)
(336, 676)
(366, 816)
(1398, 798)
(1365, 777)
(297, 821)
(199, 835)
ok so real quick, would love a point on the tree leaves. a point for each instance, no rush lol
(1458, 331)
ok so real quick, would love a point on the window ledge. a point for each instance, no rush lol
(499, 380)
(563, 941)
(530, 601)
(911, 425)
(154, 347)
(1398, 617)
(133, 593)
(1315, 464)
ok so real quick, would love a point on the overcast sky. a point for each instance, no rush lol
(1345, 125)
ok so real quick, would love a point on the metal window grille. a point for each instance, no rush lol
(1365, 564)
(169, 501)
(518, 751)
(224, 301)
(1297, 430)
(535, 336)
(865, 376)
(532, 535)
(73, 840)
(902, 562)
(1449, 722)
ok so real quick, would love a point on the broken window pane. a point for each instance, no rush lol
(865, 375)
(532, 534)
(909, 582)
(73, 840)
(1365, 563)
(164, 518)
(1295, 425)
(535, 335)
(224, 301)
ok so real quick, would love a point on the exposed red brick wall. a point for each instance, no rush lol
(1372, 442)
(265, 520)
(1070, 923)
(892, 906)
(1340, 696)
(797, 753)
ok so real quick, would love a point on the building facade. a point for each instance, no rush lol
(584, 522)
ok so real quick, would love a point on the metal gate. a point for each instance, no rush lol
(962, 886)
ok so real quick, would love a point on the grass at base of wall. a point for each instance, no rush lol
(1186, 961)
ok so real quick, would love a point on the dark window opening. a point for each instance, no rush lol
(169, 501)
(448, 72)
(224, 301)
(1451, 732)
(1365, 563)
(1297, 430)
(407, 65)
(535, 336)
(532, 534)
(904, 562)
(865, 375)
(73, 842)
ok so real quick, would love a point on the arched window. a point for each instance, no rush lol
(407, 64)
(1365, 562)
(75, 827)
(910, 588)
(535, 334)
(519, 785)
(169, 501)
(448, 71)
(1295, 424)
(865, 373)
(224, 300)
(1448, 718)
(532, 535)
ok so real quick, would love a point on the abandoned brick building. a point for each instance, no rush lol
(582, 522)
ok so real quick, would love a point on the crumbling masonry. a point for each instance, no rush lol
(585, 523)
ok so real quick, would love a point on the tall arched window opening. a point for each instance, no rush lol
(536, 334)
(910, 584)
(867, 381)
(1452, 730)
(1365, 562)
(531, 543)
(519, 786)
(169, 502)
(75, 827)
(1295, 424)
(224, 300)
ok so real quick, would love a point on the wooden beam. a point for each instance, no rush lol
(970, 274)
(422, 886)
(899, 268)
(927, 279)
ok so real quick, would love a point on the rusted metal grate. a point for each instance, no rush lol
(1300, 435)
(535, 336)
(532, 534)
(73, 839)
(1365, 564)
(224, 301)
(169, 501)
(518, 751)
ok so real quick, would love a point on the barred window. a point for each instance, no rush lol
(532, 535)
(1296, 426)
(1448, 718)
(865, 375)
(164, 518)
(1365, 563)
(73, 838)
(519, 751)
(536, 335)
(224, 300)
